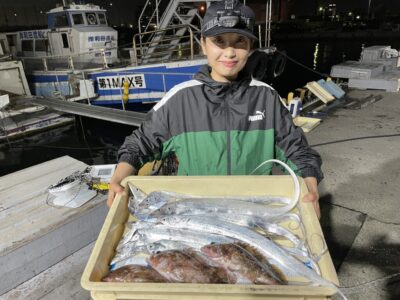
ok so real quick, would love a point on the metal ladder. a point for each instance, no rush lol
(173, 14)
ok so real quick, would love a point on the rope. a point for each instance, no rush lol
(302, 65)
(369, 284)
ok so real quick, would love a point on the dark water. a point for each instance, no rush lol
(319, 56)
(96, 142)
(89, 140)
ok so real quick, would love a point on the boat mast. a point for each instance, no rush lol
(369, 8)
(268, 17)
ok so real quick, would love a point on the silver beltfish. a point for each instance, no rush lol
(263, 245)
(221, 205)
(155, 200)
(149, 248)
(165, 232)
(256, 223)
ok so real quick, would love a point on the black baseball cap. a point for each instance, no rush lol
(228, 16)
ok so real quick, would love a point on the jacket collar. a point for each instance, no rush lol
(220, 89)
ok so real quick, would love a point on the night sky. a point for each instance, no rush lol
(23, 12)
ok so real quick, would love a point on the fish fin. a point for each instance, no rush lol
(274, 272)
(252, 251)
(137, 193)
(135, 199)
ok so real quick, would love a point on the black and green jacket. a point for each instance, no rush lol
(219, 128)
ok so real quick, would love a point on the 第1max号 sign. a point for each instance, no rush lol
(117, 82)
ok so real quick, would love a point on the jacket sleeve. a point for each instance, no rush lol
(146, 143)
(291, 145)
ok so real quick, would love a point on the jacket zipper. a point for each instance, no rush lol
(228, 137)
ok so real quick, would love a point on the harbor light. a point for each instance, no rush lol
(201, 10)
(315, 56)
(350, 13)
(358, 17)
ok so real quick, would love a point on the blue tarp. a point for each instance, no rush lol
(332, 88)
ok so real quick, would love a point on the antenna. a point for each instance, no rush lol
(229, 4)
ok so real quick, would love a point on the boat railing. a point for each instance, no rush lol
(83, 60)
(165, 48)
(153, 18)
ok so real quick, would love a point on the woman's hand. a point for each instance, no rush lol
(114, 189)
(312, 195)
(123, 170)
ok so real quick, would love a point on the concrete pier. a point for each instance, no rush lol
(359, 200)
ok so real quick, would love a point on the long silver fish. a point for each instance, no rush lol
(222, 205)
(244, 220)
(155, 200)
(158, 232)
(132, 227)
(135, 259)
(266, 247)
(150, 248)
(253, 222)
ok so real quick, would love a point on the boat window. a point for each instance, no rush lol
(102, 19)
(41, 45)
(65, 40)
(61, 20)
(27, 45)
(91, 18)
(2, 46)
(11, 40)
(78, 19)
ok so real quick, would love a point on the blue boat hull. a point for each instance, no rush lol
(146, 84)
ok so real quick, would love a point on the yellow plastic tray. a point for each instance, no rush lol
(114, 226)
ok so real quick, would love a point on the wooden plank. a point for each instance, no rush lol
(55, 167)
(320, 92)
(37, 255)
(34, 235)
(307, 124)
(61, 281)
(23, 197)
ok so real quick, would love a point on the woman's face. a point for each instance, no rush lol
(227, 55)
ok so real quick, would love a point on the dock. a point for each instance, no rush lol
(358, 198)
(34, 235)
(98, 112)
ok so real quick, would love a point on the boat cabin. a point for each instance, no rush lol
(75, 31)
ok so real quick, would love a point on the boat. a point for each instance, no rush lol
(76, 57)
(378, 69)
(18, 116)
